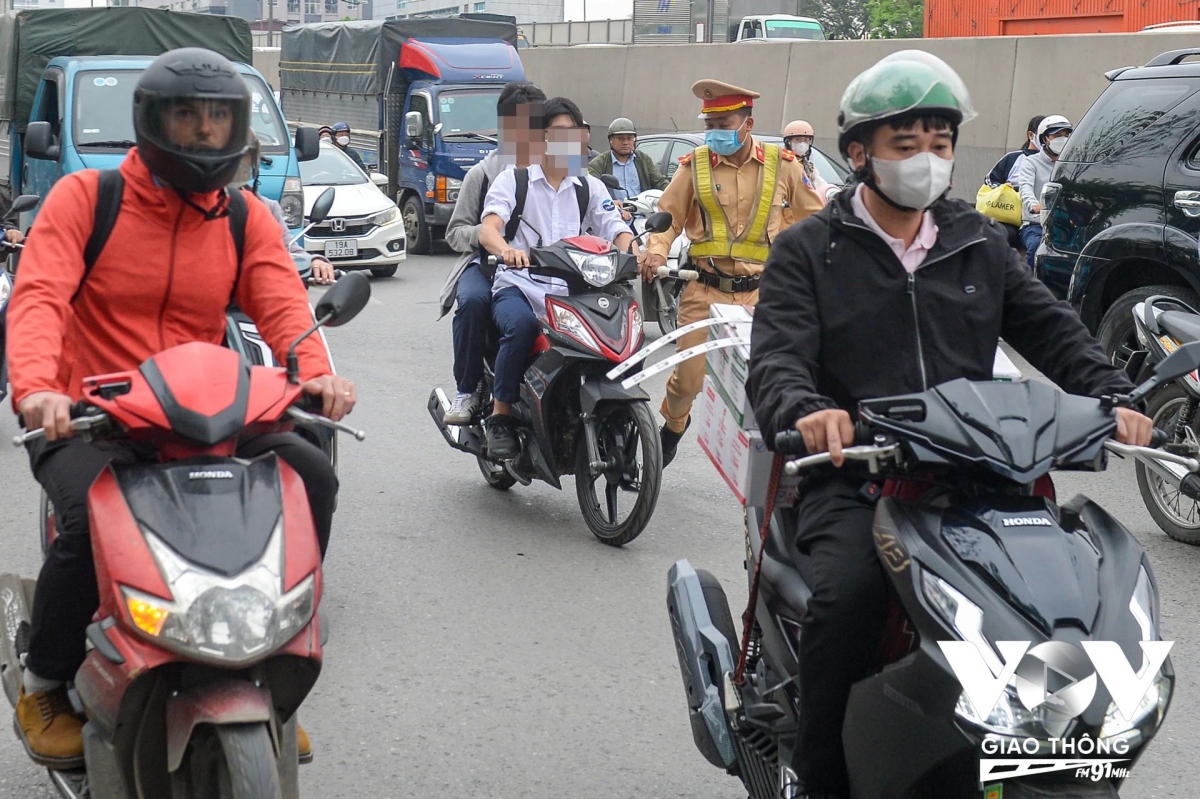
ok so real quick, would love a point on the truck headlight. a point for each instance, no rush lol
(447, 189)
(292, 201)
(231, 621)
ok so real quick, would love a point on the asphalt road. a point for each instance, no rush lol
(485, 645)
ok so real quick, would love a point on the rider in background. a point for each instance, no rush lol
(551, 213)
(165, 277)
(469, 284)
(891, 289)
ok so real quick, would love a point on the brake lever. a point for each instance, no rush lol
(873, 455)
(305, 416)
(83, 424)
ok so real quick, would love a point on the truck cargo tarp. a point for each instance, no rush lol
(356, 57)
(29, 39)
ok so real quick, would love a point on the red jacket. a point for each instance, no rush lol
(165, 277)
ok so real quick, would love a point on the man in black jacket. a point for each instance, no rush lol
(891, 289)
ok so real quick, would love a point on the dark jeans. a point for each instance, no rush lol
(67, 595)
(519, 328)
(1031, 237)
(472, 315)
(843, 625)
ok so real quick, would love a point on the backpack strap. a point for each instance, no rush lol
(238, 213)
(109, 191)
(514, 222)
(583, 195)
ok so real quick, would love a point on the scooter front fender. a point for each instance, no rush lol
(225, 702)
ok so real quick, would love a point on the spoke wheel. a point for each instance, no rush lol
(1176, 514)
(618, 502)
(668, 308)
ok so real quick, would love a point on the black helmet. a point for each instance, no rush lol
(201, 95)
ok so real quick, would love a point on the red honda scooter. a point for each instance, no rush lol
(207, 639)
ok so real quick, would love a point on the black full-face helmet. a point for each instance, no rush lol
(191, 116)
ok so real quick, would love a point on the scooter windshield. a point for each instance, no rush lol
(1019, 431)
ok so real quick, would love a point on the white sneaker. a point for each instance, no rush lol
(462, 412)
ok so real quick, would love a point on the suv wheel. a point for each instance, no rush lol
(1117, 335)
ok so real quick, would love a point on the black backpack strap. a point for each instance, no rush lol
(514, 222)
(109, 191)
(238, 213)
(583, 195)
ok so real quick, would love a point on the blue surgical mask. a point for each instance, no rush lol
(723, 142)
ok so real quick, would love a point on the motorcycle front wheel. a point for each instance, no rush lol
(230, 761)
(629, 448)
(1177, 515)
(667, 309)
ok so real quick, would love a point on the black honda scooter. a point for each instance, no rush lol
(978, 555)
(574, 418)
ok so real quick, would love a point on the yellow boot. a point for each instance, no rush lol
(303, 745)
(47, 725)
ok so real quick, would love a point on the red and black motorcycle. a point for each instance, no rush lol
(207, 639)
(574, 418)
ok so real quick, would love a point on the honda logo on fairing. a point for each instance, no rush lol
(1028, 521)
(337, 225)
(216, 474)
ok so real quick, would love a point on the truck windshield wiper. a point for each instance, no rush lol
(126, 143)
(470, 135)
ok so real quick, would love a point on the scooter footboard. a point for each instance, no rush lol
(705, 656)
(16, 608)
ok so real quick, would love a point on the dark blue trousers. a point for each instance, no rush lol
(519, 328)
(472, 315)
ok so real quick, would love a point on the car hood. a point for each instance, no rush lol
(359, 199)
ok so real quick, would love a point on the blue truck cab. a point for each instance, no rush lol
(82, 118)
(422, 114)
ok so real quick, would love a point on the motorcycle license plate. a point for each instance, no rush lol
(341, 248)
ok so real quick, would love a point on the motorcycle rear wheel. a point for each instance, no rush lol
(230, 761)
(622, 429)
(1178, 516)
(495, 474)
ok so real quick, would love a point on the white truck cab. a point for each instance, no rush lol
(776, 28)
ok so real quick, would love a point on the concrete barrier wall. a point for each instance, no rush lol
(1010, 79)
(266, 61)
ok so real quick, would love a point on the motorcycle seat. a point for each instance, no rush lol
(786, 570)
(1183, 326)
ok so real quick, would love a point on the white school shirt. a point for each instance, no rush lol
(554, 215)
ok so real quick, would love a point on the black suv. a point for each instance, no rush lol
(1123, 203)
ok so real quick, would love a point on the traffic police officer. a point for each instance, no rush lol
(731, 196)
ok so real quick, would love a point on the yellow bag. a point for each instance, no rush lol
(1001, 203)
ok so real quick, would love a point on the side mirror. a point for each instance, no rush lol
(658, 222)
(379, 179)
(414, 125)
(308, 144)
(26, 202)
(344, 300)
(39, 142)
(320, 208)
(611, 182)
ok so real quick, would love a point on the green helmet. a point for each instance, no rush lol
(904, 82)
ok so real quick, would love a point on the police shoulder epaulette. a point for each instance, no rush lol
(786, 154)
(686, 159)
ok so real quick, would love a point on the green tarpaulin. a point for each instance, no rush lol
(29, 39)
(356, 57)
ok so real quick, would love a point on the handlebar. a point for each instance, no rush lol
(678, 274)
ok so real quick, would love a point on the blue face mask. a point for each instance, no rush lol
(723, 142)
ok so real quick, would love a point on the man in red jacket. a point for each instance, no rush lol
(165, 277)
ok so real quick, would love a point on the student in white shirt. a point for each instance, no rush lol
(551, 213)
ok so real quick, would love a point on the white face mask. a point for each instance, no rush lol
(801, 149)
(343, 140)
(1056, 145)
(915, 182)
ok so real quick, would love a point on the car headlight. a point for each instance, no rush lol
(228, 620)
(598, 270)
(385, 217)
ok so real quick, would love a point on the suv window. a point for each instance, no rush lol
(655, 148)
(1124, 110)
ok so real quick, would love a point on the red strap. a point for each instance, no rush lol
(739, 676)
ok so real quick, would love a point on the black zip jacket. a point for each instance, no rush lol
(839, 319)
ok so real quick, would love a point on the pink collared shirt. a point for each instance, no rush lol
(912, 257)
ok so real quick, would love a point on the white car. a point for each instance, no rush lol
(364, 229)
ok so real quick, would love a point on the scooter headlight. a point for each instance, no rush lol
(597, 270)
(231, 621)
(564, 320)
(1146, 719)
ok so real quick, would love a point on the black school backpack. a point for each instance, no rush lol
(582, 196)
(110, 191)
